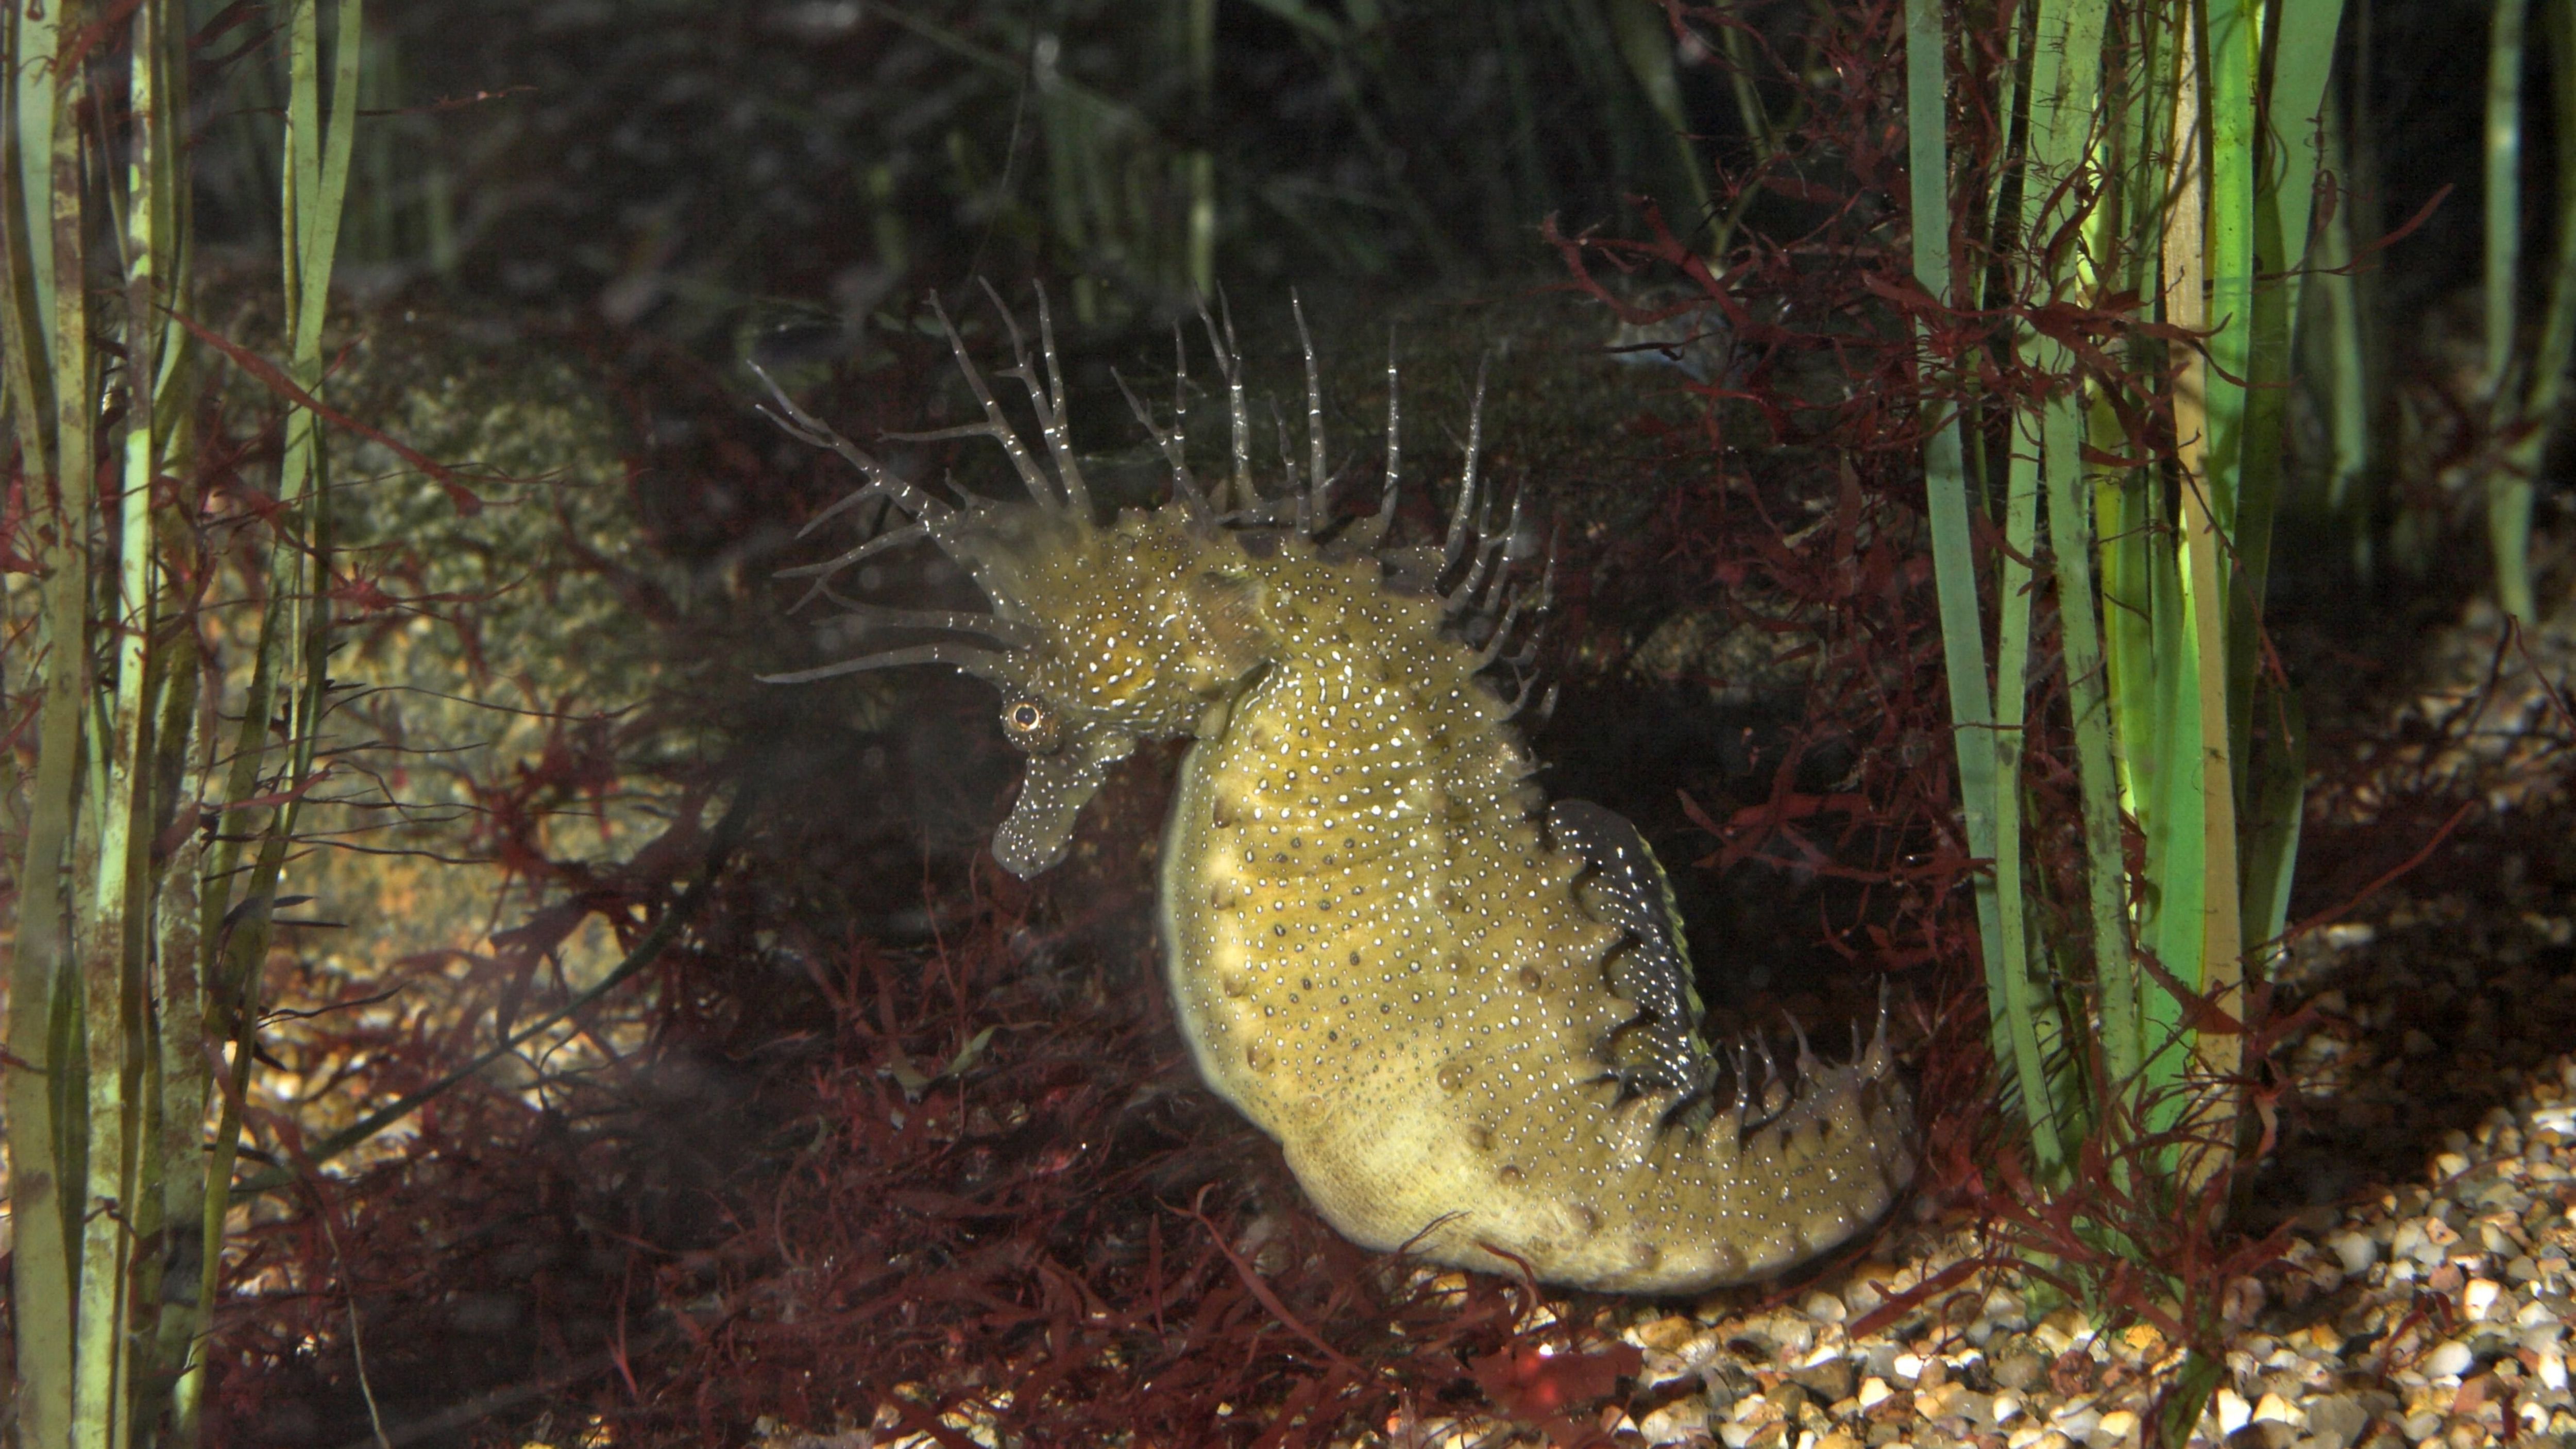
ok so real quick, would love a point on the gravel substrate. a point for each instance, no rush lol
(2422, 1199)
(2431, 1311)
(2444, 1314)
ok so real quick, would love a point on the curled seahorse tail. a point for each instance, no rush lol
(1647, 1194)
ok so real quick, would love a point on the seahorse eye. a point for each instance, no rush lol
(1031, 724)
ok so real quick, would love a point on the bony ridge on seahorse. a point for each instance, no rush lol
(1466, 1017)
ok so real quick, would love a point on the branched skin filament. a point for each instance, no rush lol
(1466, 1017)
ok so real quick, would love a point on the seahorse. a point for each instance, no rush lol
(1466, 1016)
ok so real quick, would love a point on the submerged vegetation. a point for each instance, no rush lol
(1922, 388)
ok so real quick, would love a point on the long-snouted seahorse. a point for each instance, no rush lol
(1466, 1017)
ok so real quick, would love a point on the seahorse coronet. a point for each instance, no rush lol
(1466, 1015)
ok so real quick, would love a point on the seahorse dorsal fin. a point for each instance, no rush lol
(1627, 888)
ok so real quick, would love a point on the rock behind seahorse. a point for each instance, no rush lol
(1466, 1018)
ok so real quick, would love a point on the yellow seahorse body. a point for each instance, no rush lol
(1381, 951)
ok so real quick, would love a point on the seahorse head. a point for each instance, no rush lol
(1099, 637)
(1141, 630)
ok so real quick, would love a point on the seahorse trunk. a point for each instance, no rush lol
(1381, 960)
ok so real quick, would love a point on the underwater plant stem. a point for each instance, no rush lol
(25, 269)
(2009, 961)
(2558, 333)
(1644, 39)
(2201, 946)
(2503, 148)
(2270, 772)
(93, 1120)
(2339, 351)
(112, 948)
(44, 1286)
(2027, 206)
(2231, 54)
(1963, 650)
(2525, 408)
(2065, 140)
(2070, 521)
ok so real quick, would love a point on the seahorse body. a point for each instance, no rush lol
(1469, 1025)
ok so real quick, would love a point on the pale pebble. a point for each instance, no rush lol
(2355, 1250)
(2336, 1420)
(2409, 1239)
(2448, 1360)
(1676, 1423)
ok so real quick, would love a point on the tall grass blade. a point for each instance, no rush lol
(2508, 494)
(2071, 542)
(37, 97)
(2272, 834)
(2297, 124)
(2337, 352)
(2066, 68)
(26, 318)
(2284, 167)
(2539, 389)
(2026, 1016)
(1645, 40)
(45, 1131)
(2173, 924)
(111, 954)
(1963, 644)
(2557, 349)
(2232, 57)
